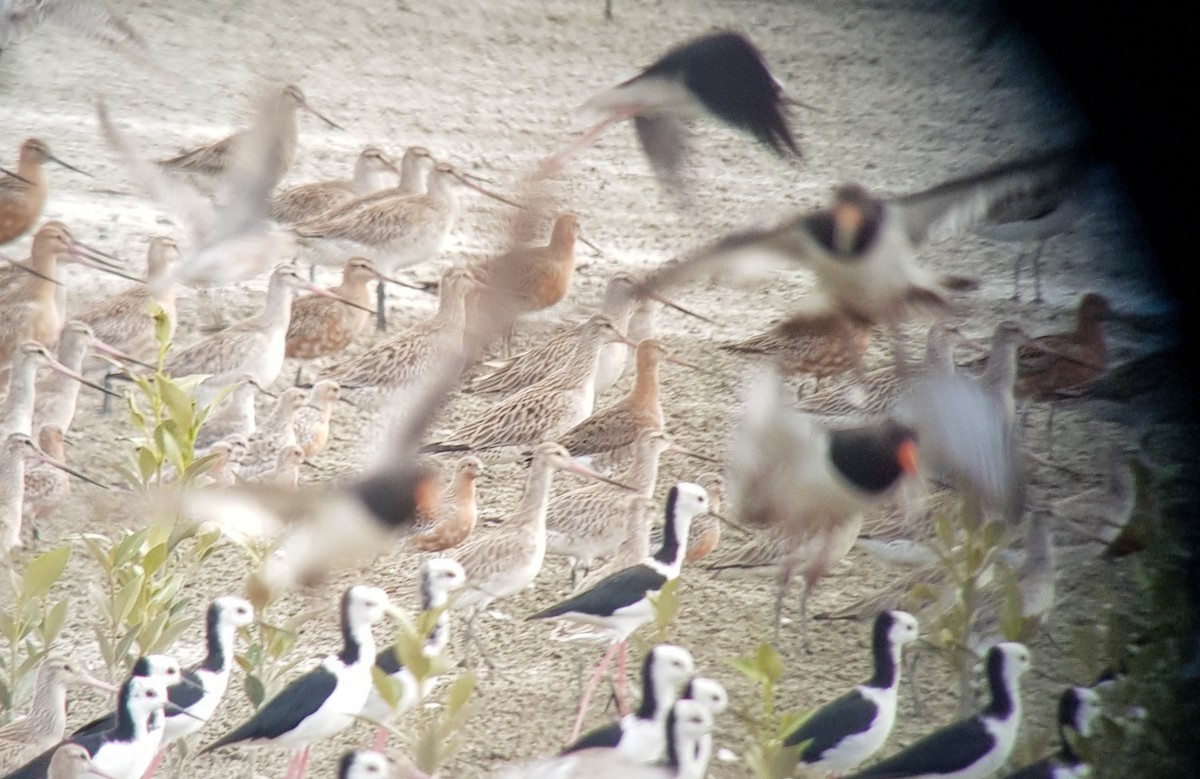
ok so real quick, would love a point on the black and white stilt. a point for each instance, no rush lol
(363, 764)
(325, 700)
(641, 735)
(973, 748)
(439, 577)
(1077, 711)
(620, 604)
(126, 750)
(849, 729)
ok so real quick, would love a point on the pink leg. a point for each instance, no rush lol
(587, 693)
(554, 164)
(292, 764)
(622, 702)
(303, 763)
(158, 756)
(380, 740)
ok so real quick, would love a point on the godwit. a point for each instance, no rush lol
(819, 344)
(368, 379)
(688, 751)
(39, 290)
(229, 239)
(320, 327)
(843, 733)
(502, 563)
(809, 486)
(519, 371)
(311, 420)
(71, 761)
(1051, 362)
(614, 429)
(1078, 708)
(721, 74)
(57, 394)
(253, 347)
(973, 748)
(543, 410)
(322, 702)
(125, 751)
(46, 722)
(641, 735)
(46, 486)
(438, 578)
(621, 603)
(233, 416)
(590, 522)
(457, 512)
(219, 157)
(16, 413)
(537, 276)
(124, 320)
(863, 248)
(287, 468)
(22, 196)
(275, 433)
(306, 201)
(415, 167)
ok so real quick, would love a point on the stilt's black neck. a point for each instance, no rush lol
(1002, 704)
(883, 653)
(668, 552)
(1068, 713)
(649, 705)
(672, 741)
(125, 728)
(216, 659)
(351, 648)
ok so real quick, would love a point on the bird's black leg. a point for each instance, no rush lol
(1016, 295)
(1037, 272)
(380, 307)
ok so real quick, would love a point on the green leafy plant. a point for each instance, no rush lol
(666, 610)
(268, 658)
(30, 622)
(767, 728)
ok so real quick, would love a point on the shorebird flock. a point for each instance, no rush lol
(872, 430)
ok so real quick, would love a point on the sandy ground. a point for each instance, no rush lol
(907, 99)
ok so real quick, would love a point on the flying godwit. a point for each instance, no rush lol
(311, 420)
(400, 230)
(457, 513)
(219, 157)
(46, 722)
(306, 201)
(253, 347)
(368, 379)
(543, 410)
(863, 249)
(504, 562)
(613, 430)
(537, 276)
(721, 74)
(88, 18)
(124, 320)
(519, 371)
(22, 196)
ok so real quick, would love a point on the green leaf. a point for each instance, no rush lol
(43, 571)
(255, 690)
(123, 602)
(178, 402)
(387, 687)
(122, 649)
(55, 618)
(147, 463)
(458, 692)
(769, 662)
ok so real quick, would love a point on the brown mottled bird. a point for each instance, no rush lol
(457, 513)
(23, 195)
(317, 329)
(124, 320)
(1053, 362)
(816, 343)
(308, 201)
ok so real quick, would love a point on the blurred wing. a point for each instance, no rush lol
(191, 208)
(965, 437)
(1008, 192)
(664, 140)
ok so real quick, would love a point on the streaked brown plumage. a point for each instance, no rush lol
(46, 722)
(820, 343)
(124, 320)
(320, 326)
(46, 487)
(538, 276)
(312, 419)
(307, 201)
(1053, 362)
(457, 513)
(21, 201)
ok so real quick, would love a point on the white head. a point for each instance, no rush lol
(147, 695)
(440, 576)
(363, 764)
(902, 628)
(708, 692)
(233, 612)
(691, 500)
(1078, 709)
(158, 668)
(363, 605)
(691, 721)
(667, 669)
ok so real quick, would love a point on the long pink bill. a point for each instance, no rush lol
(583, 470)
(317, 289)
(85, 257)
(16, 176)
(677, 449)
(91, 681)
(676, 361)
(671, 304)
(404, 284)
(31, 271)
(117, 354)
(322, 117)
(486, 192)
(58, 367)
(48, 460)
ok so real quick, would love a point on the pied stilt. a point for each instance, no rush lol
(721, 74)
(1077, 711)
(973, 748)
(620, 603)
(325, 700)
(126, 750)
(846, 731)
(640, 736)
(363, 764)
(439, 577)
(687, 756)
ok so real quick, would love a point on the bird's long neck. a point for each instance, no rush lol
(1005, 702)
(32, 169)
(48, 711)
(642, 471)
(532, 509)
(277, 309)
(127, 728)
(1090, 330)
(355, 290)
(218, 640)
(439, 634)
(562, 239)
(1001, 370)
(886, 674)
(464, 500)
(659, 695)
(645, 386)
(358, 644)
(17, 416)
(675, 531)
